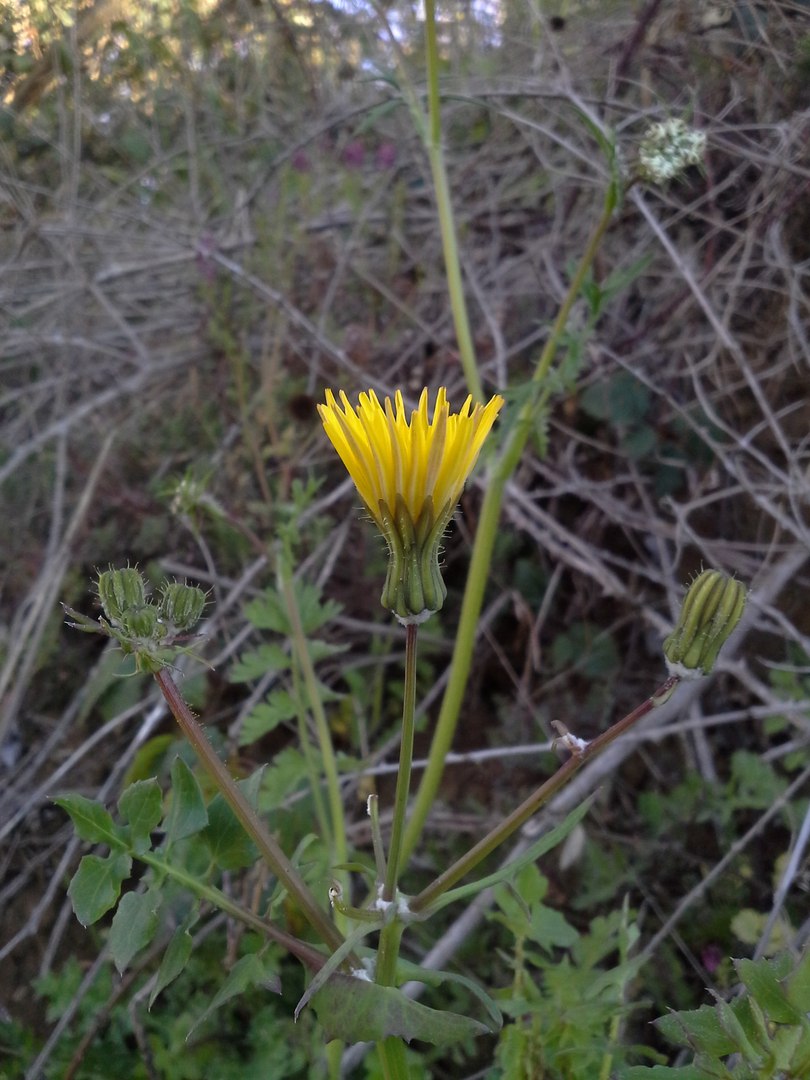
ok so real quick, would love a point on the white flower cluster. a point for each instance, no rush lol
(668, 148)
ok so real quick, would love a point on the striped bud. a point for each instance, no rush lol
(712, 608)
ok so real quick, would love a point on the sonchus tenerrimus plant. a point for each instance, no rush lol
(409, 466)
(409, 469)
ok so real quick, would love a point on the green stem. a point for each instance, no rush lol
(250, 820)
(541, 795)
(304, 659)
(485, 542)
(392, 1050)
(307, 954)
(405, 761)
(444, 206)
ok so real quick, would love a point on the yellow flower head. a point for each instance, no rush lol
(410, 473)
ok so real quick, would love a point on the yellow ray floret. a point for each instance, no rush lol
(389, 455)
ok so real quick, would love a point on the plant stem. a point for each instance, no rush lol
(541, 795)
(305, 952)
(392, 1050)
(302, 654)
(452, 263)
(250, 820)
(405, 760)
(485, 541)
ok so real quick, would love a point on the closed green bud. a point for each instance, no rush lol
(712, 608)
(143, 624)
(119, 591)
(182, 605)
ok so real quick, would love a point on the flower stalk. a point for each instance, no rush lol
(581, 753)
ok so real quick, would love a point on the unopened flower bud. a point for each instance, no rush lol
(144, 624)
(182, 605)
(712, 608)
(120, 590)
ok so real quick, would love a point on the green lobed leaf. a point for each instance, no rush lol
(259, 662)
(268, 612)
(176, 956)
(356, 1010)
(741, 1035)
(762, 979)
(91, 821)
(798, 984)
(230, 846)
(187, 814)
(279, 707)
(141, 804)
(133, 926)
(406, 970)
(251, 971)
(783, 1047)
(96, 885)
(698, 1028)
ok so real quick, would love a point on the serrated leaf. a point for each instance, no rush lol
(176, 956)
(288, 770)
(268, 612)
(96, 885)
(187, 814)
(250, 971)
(356, 1010)
(133, 926)
(762, 980)
(259, 662)
(142, 806)
(698, 1028)
(798, 984)
(279, 707)
(91, 821)
(735, 1030)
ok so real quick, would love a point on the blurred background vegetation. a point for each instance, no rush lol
(209, 211)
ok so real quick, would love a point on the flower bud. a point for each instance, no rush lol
(181, 604)
(414, 587)
(120, 590)
(143, 624)
(712, 608)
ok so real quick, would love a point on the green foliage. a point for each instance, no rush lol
(356, 1010)
(566, 996)
(763, 1033)
(283, 704)
(251, 1036)
(792, 683)
(594, 653)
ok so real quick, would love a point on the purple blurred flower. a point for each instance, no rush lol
(386, 156)
(711, 957)
(354, 154)
(300, 162)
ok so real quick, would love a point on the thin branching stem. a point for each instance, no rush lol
(251, 822)
(541, 795)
